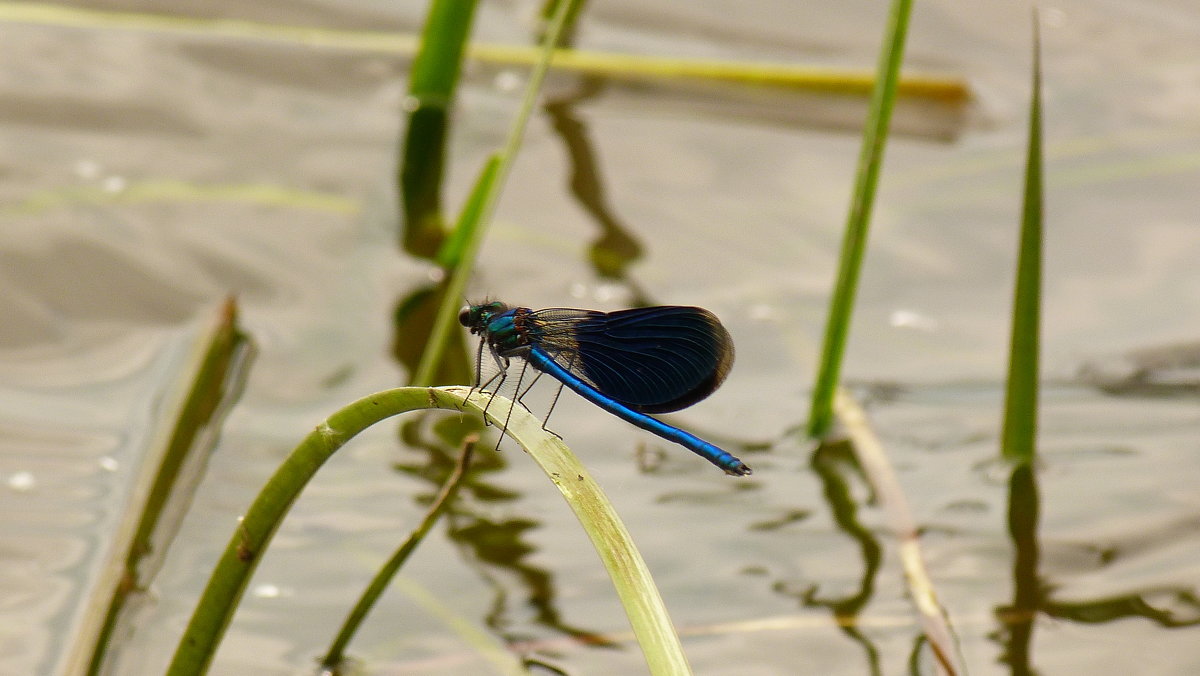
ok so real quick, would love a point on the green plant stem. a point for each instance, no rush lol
(250, 538)
(484, 197)
(1019, 434)
(335, 654)
(858, 221)
(631, 578)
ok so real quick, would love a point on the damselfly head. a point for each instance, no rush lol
(476, 317)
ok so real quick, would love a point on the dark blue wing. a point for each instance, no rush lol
(653, 360)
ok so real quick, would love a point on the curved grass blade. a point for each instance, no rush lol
(643, 604)
(252, 535)
(854, 242)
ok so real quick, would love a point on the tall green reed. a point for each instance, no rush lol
(858, 220)
(1021, 393)
(1018, 441)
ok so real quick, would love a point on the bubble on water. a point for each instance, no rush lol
(267, 591)
(910, 319)
(87, 169)
(22, 481)
(114, 184)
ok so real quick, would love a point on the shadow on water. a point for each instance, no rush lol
(1133, 605)
(835, 465)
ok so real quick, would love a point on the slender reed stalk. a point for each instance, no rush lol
(337, 650)
(483, 198)
(1019, 434)
(858, 221)
(166, 481)
(879, 472)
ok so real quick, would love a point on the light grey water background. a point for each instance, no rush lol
(146, 174)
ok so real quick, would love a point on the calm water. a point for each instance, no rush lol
(148, 174)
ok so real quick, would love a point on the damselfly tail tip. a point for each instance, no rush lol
(741, 469)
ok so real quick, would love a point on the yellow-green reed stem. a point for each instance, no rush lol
(603, 64)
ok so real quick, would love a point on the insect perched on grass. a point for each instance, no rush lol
(629, 363)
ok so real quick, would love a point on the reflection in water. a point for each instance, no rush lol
(615, 249)
(834, 463)
(789, 517)
(1170, 607)
(413, 322)
(1017, 619)
(1185, 614)
(496, 549)
(420, 179)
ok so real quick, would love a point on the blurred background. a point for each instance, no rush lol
(148, 169)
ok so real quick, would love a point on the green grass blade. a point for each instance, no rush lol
(858, 221)
(248, 544)
(185, 432)
(454, 250)
(434, 361)
(1018, 437)
(459, 254)
(482, 202)
(431, 86)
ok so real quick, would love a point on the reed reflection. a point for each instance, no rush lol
(1169, 607)
(835, 465)
(496, 549)
(615, 249)
(1018, 618)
